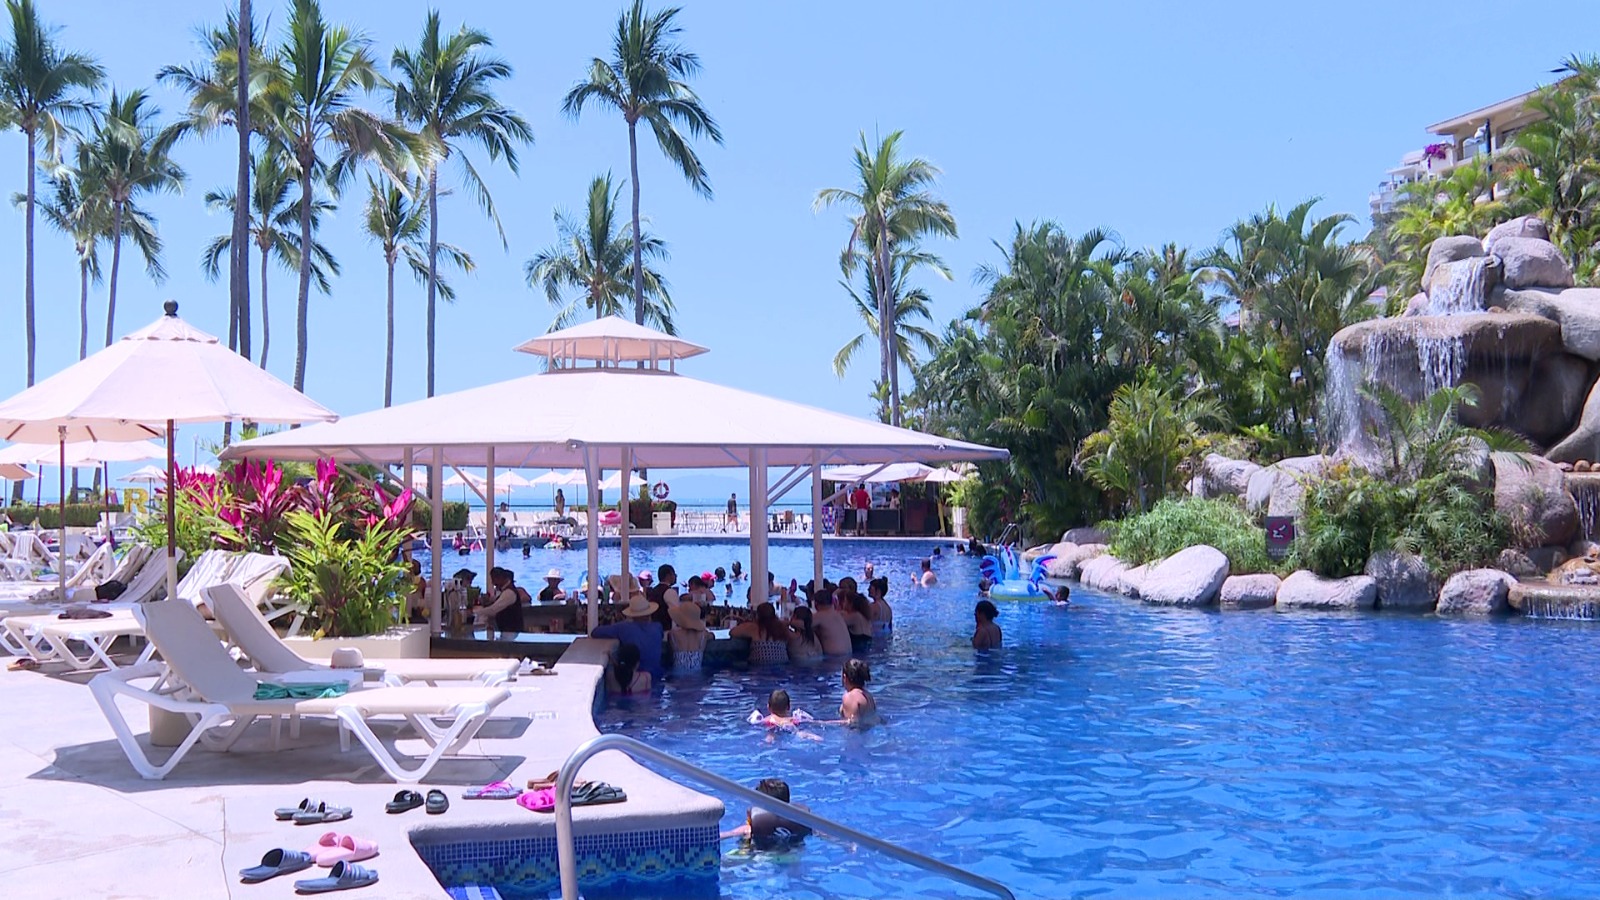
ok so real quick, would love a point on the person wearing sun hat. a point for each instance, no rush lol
(552, 592)
(637, 627)
(688, 637)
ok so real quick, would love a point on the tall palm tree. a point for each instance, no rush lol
(127, 156)
(645, 81)
(895, 207)
(910, 305)
(395, 220)
(596, 257)
(273, 216)
(78, 211)
(41, 93)
(325, 68)
(221, 84)
(445, 89)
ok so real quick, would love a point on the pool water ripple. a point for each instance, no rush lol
(1118, 750)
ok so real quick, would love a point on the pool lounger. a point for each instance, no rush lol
(49, 638)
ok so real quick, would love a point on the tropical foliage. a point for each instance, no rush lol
(593, 258)
(1152, 439)
(1171, 525)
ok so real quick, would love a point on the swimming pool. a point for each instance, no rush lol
(1118, 749)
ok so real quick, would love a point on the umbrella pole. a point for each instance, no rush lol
(172, 506)
(105, 495)
(61, 549)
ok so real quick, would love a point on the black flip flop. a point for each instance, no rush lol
(404, 801)
(436, 802)
(597, 793)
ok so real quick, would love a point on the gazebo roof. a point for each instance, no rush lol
(611, 340)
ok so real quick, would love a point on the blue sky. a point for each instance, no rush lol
(1160, 121)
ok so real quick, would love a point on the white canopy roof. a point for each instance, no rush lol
(82, 453)
(610, 340)
(894, 472)
(547, 421)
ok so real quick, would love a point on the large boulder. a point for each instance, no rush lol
(1529, 262)
(1190, 577)
(1461, 286)
(1520, 227)
(1531, 491)
(1101, 573)
(1576, 310)
(1249, 591)
(1086, 535)
(1478, 592)
(1306, 590)
(1404, 580)
(1451, 249)
(1225, 477)
(1280, 489)
(1068, 557)
(1130, 581)
(1583, 442)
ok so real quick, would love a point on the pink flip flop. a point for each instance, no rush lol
(543, 800)
(348, 849)
(324, 844)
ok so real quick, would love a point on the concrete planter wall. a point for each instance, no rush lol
(399, 642)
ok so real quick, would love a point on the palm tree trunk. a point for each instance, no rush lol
(433, 269)
(116, 262)
(83, 307)
(266, 327)
(638, 249)
(239, 259)
(388, 346)
(27, 274)
(881, 265)
(303, 307)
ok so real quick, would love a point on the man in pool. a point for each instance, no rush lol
(769, 830)
(927, 579)
(986, 636)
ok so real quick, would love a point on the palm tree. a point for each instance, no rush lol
(644, 80)
(1153, 435)
(596, 257)
(325, 67)
(909, 305)
(272, 217)
(127, 157)
(1431, 209)
(395, 219)
(78, 211)
(895, 208)
(219, 86)
(1553, 161)
(40, 94)
(445, 89)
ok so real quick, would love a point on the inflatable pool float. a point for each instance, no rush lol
(1004, 574)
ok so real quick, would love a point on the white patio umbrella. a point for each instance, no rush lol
(870, 474)
(83, 455)
(144, 386)
(14, 472)
(147, 475)
(560, 479)
(945, 475)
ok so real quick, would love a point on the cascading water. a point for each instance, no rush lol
(1463, 289)
(1586, 494)
(1415, 356)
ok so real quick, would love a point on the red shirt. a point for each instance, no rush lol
(861, 499)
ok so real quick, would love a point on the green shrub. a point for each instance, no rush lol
(79, 515)
(455, 516)
(347, 584)
(1172, 525)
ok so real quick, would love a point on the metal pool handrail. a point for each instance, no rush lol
(567, 853)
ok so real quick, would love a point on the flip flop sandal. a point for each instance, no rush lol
(541, 800)
(285, 813)
(275, 863)
(498, 790)
(321, 813)
(341, 877)
(599, 793)
(348, 849)
(535, 784)
(25, 664)
(404, 801)
(436, 802)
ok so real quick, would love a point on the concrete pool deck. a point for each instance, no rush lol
(81, 823)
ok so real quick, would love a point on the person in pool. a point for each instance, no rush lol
(781, 717)
(858, 709)
(625, 676)
(987, 634)
(927, 578)
(768, 830)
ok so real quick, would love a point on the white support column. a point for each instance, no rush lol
(625, 505)
(488, 526)
(591, 475)
(408, 463)
(816, 520)
(436, 541)
(758, 526)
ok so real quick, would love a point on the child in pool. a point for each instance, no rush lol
(768, 830)
(858, 709)
(780, 718)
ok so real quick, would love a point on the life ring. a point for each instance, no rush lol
(660, 490)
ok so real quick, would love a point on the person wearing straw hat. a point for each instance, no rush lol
(637, 627)
(689, 637)
(552, 592)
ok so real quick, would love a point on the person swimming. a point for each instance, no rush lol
(858, 709)
(780, 718)
(767, 830)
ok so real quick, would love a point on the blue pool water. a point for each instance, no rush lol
(1114, 749)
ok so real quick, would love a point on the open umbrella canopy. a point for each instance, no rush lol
(566, 478)
(946, 475)
(14, 472)
(82, 454)
(166, 371)
(870, 474)
(147, 474)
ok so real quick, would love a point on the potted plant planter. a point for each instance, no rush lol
(399, 642)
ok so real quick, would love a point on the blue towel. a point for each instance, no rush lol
(267, 690)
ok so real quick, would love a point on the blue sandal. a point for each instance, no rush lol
(341, 877)
(275, 863)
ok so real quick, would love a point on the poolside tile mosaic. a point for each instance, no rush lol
(680, 862)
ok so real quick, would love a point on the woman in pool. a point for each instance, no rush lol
(769, 637)
(858, 710)
(803, 643)
(624, 676)
(879, 611)
(858, 620)
(987, 634)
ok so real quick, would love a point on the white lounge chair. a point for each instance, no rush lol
(49, 638)
(253, 635)
(200, 680)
